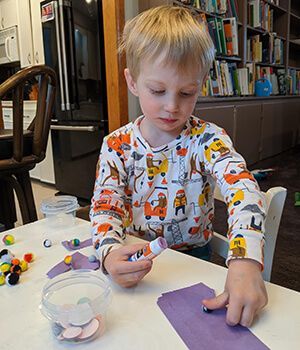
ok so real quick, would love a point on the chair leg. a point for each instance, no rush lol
(13, 183)
(25, 182)
(8, 215)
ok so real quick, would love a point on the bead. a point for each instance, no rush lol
(68, 260)
(205, 309)
(12, 279)
(28, 257)
(92, 258)
(47, 243)
(75, 242)
(23, 265)
(5, 267)
(15, 261)
(8, 239)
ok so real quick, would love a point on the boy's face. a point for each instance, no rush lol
(167, 95)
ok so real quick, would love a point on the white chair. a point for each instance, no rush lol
(275, 198)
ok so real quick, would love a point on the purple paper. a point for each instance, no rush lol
(58, 269)
(79, 261)
(69, 246)
(200, 330)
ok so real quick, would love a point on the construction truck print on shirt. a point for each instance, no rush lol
(168, 191)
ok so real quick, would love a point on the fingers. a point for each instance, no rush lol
(234, 312)
(131, 279)
(247, 316)
(132, 266)
(218, 302)
(129, 250)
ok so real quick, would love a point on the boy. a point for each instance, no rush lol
(156, 175)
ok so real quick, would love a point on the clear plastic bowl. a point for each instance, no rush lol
(76, 303)
(60, 210)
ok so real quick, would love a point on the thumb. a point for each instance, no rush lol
(132, 248)
(217, 302)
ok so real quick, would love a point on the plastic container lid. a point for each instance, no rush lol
(59, 204)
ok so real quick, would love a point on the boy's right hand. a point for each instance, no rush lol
(123, 272)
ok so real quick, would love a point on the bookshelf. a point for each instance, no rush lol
(259, 126)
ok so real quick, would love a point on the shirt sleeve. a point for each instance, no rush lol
(107, 207)
(245, 202)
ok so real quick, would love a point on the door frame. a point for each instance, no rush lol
(117, 98)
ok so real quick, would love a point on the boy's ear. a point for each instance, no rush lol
(130, 82)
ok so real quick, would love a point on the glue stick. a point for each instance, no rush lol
(151, 250)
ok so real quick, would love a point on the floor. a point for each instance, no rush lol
(286, 265)
(41, 191)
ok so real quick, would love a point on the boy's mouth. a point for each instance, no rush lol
(168, 120)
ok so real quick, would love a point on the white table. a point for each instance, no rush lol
(134, 321)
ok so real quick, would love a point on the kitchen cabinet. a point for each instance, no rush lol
(24, 33)
(25, 14)
(8, 15)
(37, 33)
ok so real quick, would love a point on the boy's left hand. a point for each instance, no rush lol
(244, 294)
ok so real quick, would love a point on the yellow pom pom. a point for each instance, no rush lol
(68, 259)
(23, 265)
(2, 280)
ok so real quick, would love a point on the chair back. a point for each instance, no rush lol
(275, 198)
(38, 130)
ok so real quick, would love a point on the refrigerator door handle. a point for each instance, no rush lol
(90, 128)
(62, 94)
(64, 56)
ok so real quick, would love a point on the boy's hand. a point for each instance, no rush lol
(123, 272)
(244, 294)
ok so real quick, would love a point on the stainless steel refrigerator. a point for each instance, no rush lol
(74, 47)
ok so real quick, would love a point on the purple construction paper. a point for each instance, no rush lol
(58, 269)
(79, 261)
(200, 330)
(69, 246)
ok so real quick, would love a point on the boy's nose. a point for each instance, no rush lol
(171, 106)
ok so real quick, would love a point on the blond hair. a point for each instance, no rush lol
(171, 31)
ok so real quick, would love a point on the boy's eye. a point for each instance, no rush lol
(157, 92)
(187, 94)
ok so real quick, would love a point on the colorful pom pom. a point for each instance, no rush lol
(5, 267)
(23, 265)
(15, 261)
(75, 242)
(8, 239)
(29, 257)
(68, 260)
(12, 278)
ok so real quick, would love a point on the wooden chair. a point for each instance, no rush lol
(275, 198)
(21, 150)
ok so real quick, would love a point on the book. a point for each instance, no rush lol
(282, 81)
(228, 36)
(221, 35)
(234, 29)
(243, 80)
(251, 77)
(214, 33)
